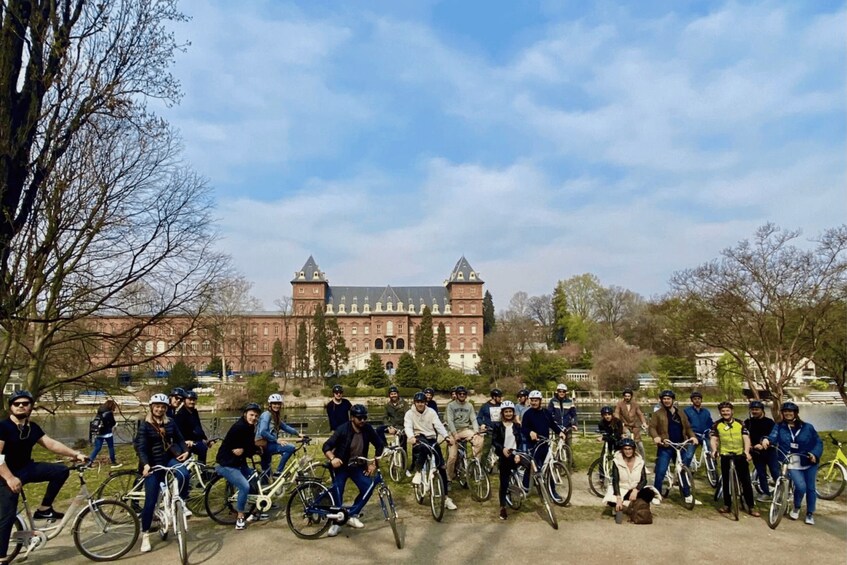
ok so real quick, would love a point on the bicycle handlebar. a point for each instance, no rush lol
(675, 445)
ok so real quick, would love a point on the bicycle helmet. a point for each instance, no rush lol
(536, 394)
(507, 404)
(21, 394)
(667, 392)
(359, 411)
(178, 391)
(461, 390)
(523, 392)
(695, 394)
(337, 388)
(606, 410)
(496, 392)
(393, 388)
(561, 386)
(158, 399)
(756, 404)
(725, 404)
(789, 406)
(252, 406)
(429, 390)
(190, 395)
(419, 397)
(274, 398)
(626, 442)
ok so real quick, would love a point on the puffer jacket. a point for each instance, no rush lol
(157, 445)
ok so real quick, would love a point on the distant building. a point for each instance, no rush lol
(706, 366)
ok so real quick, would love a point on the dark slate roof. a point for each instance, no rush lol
(466, 271)
(419, 296)
(309, 270)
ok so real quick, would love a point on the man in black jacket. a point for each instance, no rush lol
(764, 459)
(347, 443)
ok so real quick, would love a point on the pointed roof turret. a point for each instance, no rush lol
(310, 272)
(463, 272)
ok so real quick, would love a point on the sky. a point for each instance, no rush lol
(539, 139)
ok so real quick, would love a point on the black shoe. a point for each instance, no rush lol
(503, 513)
(48, 514)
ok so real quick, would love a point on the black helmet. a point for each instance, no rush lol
(790, 406)
(419, 397)
(523, 392)
(626, 442)
(667, 392)
(627, 390)
(725, 404)
(337, 388)
(606, 410)
(756, 404)
(178, 391)
(696, 394)
(359, 411)
(429, 390)
(393, 388)
(190, 395)
(252, 406)
(496, 392)
(461, 390)
(21, 394)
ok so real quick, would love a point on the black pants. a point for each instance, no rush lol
(506, 466)
(420, 453)
(743, 472)
(52, 473)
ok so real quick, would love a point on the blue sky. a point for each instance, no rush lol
(539, 139)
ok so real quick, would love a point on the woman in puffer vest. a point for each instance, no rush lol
(629, 477)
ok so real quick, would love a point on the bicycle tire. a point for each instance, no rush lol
(478, 481)
(390, 512)
(462, 471)
(105, 530)
(437, 496)
(686, 475)
(544, 496)
(15, 546)
(595, 478)
(397, 466)
(558, 483)
(711, 470)
(313, 470)
(218, 499)
(779, 503)
(831, 480)
(117, 485)
(300, 512)
(734, 497)
(515, 494)
(196, 499)
(568, 452)
(181, 530)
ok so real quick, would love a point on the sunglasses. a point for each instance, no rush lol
(21, 403)
(362, 418)
(337, 392)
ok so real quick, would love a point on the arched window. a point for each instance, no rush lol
(378, 344)
(389, 366)
(461, 276)
(389, 344)
(400, 343)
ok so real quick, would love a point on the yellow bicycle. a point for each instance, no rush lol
(832, 475)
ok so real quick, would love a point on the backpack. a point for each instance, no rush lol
(639, 512)
(96, 426)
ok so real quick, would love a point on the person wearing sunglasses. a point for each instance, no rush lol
(18, 436)
(338, 408)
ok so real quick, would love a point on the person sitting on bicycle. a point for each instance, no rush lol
(700, 420)
(731, 436)
(267, 435)
(507, 437)
(764, 459)
(462, 425)
(669, 424)
(347, 443)
(537, 423)
(423, 425)
(338, 408)
(188, 420)
(158, 441)
(18, 435)
(490, 411)
(521, 406)
(629, 412)
(802, 442)
(563, 410)
(175, 401)
(610, 428)
(430, 398)
(629, 478)
(395, 411)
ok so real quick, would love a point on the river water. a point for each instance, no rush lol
(69, 428)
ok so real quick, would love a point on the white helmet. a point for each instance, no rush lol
(274, 398)
(562, 386)
(158, 399)
(507, 404)
(535, 394)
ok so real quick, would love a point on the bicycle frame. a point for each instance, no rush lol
(264, 498)
(195, 471)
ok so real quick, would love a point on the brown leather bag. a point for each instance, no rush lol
(639, 512)
(261, 442)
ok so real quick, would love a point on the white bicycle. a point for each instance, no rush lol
(171, 510)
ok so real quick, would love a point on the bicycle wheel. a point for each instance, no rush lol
(118, 485)
(219, 500)
(390, 512)
(595, 478)
(686, 478)
(831, 480)
(15, 543)
(105, 530)
(491, 462)
(462, 470)
(397, 466)
(437, 496)
(779, 502)
(544, 496)
(306, 510)
(567, 453)
(711, 470)
(515, 494)
(315, 471)
(478, 481)
(181, 531)
(196, 499)
(734, 496)
(558, 483)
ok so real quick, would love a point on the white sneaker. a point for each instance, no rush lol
(188, 513)
(794, 513)
(763, 497)
(689, 499)
(334, 530)
(145, 543)
(648, 471)
(657, 500)
(408, 473)
(697, 502)
(810, 519)
(416, 480)
(354, 522)
(449, 504)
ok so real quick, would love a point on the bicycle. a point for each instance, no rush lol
(312, 508)
(470, 474)
(734, 489)
(832, 475)
(556, 475)
(103, 530)
(539, 477)
(171, 509)
(490, 462)
(600, 470)
(783, 492)
(705, 460)
(397, 463)
(562, 452)
(431, 484)
(221, 497)
(679, 470)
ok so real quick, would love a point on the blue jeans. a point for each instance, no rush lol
(364, 483)
(765, 461)
(237, 478)
(804, 485)
(200, 449)
(664, 456)
(98, 445)
(276, 449)
(152, 489)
